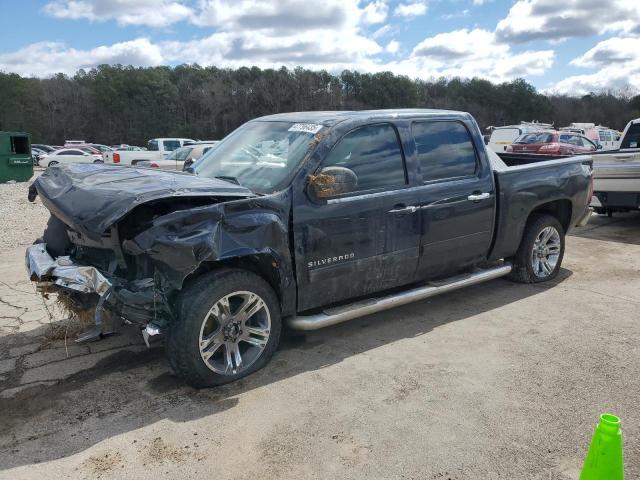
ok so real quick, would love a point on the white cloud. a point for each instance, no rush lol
(44, 58)
(315, 34)
(257, 48)
(618, 61)
(309, 33)
(375, 12)
(474, 53)
(553, 20)
(392, 47)
(153, 13)
(383, 31)
(617, 50)
(413, 9)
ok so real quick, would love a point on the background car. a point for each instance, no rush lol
(43, 147)
(92, 150)
(37, 154)
(102, 148)
(184, 156)
(501, 137)
(69, 155)
(552, 143)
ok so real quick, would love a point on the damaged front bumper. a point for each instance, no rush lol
(135, 302)
(64, 273)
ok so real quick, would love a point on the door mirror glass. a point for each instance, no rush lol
(331, 182)
(599, 146)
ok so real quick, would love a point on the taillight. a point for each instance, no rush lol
(154, 165)
(116, 158)
(550, 147)
(590, 195)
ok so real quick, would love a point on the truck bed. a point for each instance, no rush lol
(527, 186)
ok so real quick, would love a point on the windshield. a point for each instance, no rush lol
(259, 155)
(535, 138)
(180, 154)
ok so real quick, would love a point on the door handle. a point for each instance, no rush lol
(403, 209)
(476, 197)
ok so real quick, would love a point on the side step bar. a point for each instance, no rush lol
(341, 314)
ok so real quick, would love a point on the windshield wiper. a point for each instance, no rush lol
(228, 178)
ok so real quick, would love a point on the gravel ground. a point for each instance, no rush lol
(497, 381)
(21, 221)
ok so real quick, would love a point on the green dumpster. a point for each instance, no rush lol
(15, 157)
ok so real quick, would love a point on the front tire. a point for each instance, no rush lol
(539, 256)
(228, 327)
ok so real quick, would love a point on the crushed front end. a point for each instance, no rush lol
(93, 287)
(121, 241)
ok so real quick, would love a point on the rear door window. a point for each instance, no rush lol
(373, 153)
(445, 150)
(152, 145)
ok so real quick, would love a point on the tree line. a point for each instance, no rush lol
(123, 104)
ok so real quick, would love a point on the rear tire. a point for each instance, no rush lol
(539, 256)
(211, 343)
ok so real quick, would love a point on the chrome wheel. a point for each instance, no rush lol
(546, 252)
(234, 332)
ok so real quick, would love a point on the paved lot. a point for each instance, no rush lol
(497, 381)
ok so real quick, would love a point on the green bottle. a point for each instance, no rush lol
(604, 458)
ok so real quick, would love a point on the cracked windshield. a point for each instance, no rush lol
(259, 155)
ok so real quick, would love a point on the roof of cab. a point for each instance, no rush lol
(330, 118)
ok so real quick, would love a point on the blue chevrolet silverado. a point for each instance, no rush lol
(309, 218)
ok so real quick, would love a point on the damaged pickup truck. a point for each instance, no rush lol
(310, 218)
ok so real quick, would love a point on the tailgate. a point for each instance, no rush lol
(617, 165)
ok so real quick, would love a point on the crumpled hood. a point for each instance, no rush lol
(92, 197)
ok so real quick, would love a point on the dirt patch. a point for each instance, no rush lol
(158, 451)
(103, 463)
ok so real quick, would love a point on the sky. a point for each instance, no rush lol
(563, 46)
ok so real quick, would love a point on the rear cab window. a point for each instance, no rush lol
(374, 154)
(632, 137)
(171, 145)
(445, 150)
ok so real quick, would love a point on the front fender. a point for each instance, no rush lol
(180, 242)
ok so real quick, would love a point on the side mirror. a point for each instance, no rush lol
(599, 146)
(332, 181)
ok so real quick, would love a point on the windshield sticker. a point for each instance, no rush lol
(305, 127)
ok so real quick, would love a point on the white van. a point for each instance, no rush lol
(501, 137)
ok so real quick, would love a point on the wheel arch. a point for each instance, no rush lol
(560, 209)
(265, 265)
